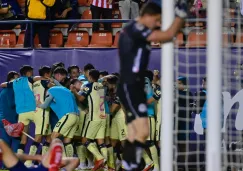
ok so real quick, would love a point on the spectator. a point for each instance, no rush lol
(65, 9)
(101, 8)
(38, 10)
(129, 9)
(10, 10)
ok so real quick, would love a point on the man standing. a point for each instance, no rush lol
(8, 111)
(134, 51)
(63, 103)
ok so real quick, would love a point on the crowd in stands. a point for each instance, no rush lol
(81, 34)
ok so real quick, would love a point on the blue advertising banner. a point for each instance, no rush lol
(188, 62)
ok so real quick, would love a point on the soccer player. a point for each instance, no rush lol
(8, 111)
(60, 75)
(83, 111)
(103, 74)
(24, 99)
(84, 77)
(14, 162)
(151, 118)
(63, 103)
(183, 110)
(118, 123)
(134, 50)
(41, 117)
(95, 127)
(73, 71)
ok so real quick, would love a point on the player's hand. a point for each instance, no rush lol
(181, 8)
(38, 103)
(72, 88)
(156, 72)
(102, 116)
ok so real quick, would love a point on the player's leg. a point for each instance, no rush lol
(152, 146)
(25, 118)
(91, 130)
(9, 159)
(41, 120)
(68, 130)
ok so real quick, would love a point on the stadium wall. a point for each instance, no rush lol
(188, 62)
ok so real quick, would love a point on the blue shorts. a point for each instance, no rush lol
(21, 167)
(11, 141)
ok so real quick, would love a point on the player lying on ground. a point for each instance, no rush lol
(134, 51)
(14, 162)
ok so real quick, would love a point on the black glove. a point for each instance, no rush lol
(181, 8)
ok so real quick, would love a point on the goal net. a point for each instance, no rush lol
(190, 126)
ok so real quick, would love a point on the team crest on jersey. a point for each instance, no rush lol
(86, 89)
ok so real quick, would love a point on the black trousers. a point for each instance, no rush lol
(43, 31)
(97, 12)
(12, 25)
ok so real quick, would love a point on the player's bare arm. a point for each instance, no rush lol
(170, 33)
(77, 96)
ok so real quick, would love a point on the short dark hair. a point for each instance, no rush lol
(104, 73)
(24, 69)
(204, 79)
(57, 64)
(74, 81)
(116, 74)
(150, 8)
(149, 74)
(113, 80)
(11, 75)
(88, 67)
(70, 68)
(183, 80)
(60, 70)
(44, 70)
(94, 74)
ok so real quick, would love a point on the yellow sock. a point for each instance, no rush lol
(94, 150)
(104, 153)
(20, 151)
(33, 150)
(81, 152)
(69, 150)
(154, 155)
(111, 161)
(146, 158)
(44, 149)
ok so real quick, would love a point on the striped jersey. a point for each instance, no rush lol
(102, 4)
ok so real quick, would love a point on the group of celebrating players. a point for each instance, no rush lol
(90, 121)
(99, 117)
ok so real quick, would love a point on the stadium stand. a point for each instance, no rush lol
(115, 44)
(87, 15)
(196, 38)
(20, 42)
(101, 39)
(77, 39)
(179, 42)
(56, 38)
(7, 39)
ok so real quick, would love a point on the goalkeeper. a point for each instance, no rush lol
(134, 51)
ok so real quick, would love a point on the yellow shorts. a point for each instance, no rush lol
(26, 117)
(107, 129)
(95, 129)
(157, 131)
(151, 129)
(67, 125)
(81, 124)
(118, 129)
(41, 120)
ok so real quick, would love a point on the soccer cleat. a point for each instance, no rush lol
(82, 166)
(149, 166)
(98, 164)
(56, 157)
